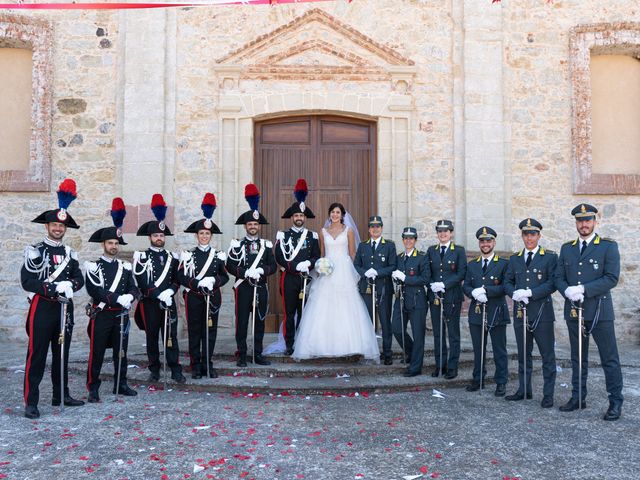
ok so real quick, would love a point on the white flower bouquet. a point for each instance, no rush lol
(324, 266)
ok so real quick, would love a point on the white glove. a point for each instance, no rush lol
(476, 292)
(64, 285)
(249, 273)
(207, 282)
(165, 297)
(259, 271)
(398, 275)
(303, 266)
(527, 293)
(371, 273)
(437, 287)
(68, 292)
(125, 300)
(524, 300)
(575, 293)
(518, 295)
(482, 298)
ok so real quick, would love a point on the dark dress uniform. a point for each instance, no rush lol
(240, 258)
(291, 280)
(104, 324)
(191, 265)
(538, 276)
(412, 307)
(383, 260)
(148, 266)
(43, 319)
(492, 279)
(597, 269)
(449, 269)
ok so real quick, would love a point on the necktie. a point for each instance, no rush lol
(374, 244)
(584, 246)
(529, 257)
(443, 248)
(484, 266)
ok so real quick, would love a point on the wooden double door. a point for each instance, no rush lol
(335, 155)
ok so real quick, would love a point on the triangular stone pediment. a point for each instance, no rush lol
(315, 46)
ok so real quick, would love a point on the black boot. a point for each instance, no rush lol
(260, 360)
(32, 412)
(572, 405)
(614, 411)
(126, 391)
(93, 396)
(242, 360)
(69, 401)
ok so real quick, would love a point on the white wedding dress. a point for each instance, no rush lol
(335, 321)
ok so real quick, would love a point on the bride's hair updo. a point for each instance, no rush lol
(341, 207)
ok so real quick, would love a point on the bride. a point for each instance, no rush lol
(335, 321)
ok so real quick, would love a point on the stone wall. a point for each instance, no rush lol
(473, 103)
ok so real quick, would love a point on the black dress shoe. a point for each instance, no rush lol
(68, 402)
(289, 351)
(473, 387)
(154, 377)
(126, 391)
(31, 411)
(572, 405)
(388, 361)
(93, 397)
(242, 361)
(260, 360)
(196, 375)
(213, 373)
(451, 374)
(547, 402)
(516, 397)
(411, 374)
(178, 377)
(501, 389)
(613, 412)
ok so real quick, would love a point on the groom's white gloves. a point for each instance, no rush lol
(371, 273)
(437, 287)
(303, 266)
(398, 275)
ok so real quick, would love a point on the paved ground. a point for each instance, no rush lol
(189, 434)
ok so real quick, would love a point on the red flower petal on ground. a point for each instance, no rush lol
(84, 457)
(424, 469)
(494, 462)
(435, 475)
(438, 455)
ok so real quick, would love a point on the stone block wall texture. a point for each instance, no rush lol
(518, 105)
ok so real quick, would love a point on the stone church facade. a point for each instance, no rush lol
(482, 113)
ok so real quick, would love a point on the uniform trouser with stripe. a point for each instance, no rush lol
(104, 332)
(153, 317)
(451, 331)
(43, 329)
(244, 302)
(290, 289)
(605, 337)
(498, 345)
(414, 348)
(196, 311)
(544, 337)
(383, 310)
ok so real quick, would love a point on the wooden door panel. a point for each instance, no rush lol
(335, 155)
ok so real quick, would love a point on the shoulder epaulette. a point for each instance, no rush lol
(608, 239)
(126, 265)
(73, 254)
(279, 236)
(315, 235)
(268, 244)
(479, 258)
(175, 255)
(570, 242)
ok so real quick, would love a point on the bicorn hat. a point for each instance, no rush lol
(208, 207)
(300, 192)
(252, 196)
(66, 194)
(118, 212)
(159, 209)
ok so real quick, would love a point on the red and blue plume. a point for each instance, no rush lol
(300, 191)
(118, 212)
(252, 196)
(66, 193)
(158, 207)
(208, 205)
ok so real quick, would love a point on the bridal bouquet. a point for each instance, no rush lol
(323, 266)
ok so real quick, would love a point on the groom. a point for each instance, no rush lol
(296, 252)
(375, 261)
